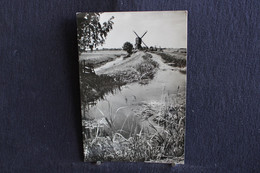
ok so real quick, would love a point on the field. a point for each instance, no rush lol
(101, 57)
(133, 107)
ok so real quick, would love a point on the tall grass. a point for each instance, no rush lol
(162, 140)
(172, 121)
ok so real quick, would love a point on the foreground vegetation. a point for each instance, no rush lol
(161, 140)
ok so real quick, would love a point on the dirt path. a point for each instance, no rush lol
(162, 66)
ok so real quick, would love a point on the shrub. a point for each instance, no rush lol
(128, 47)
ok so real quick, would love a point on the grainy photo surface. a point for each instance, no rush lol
(132, 69)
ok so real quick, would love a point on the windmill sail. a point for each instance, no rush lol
(144, 43)
(144, 34)
(136, 34)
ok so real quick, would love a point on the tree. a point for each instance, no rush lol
(90, 32)
(128, 47)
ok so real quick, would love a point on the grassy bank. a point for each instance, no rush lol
(142, 71)
(173, 59)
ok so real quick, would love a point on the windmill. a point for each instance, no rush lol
(139, 41)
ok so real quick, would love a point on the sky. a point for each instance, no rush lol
(167, 29)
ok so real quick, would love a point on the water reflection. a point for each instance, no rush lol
(94, 88)
(127, 104)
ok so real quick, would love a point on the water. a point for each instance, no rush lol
(123, 105)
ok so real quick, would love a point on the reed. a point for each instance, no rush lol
(162, 141)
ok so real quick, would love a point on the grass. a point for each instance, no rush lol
(142, 72)
(174, 60)
(99, 58)
(97, 62)
(161, 141)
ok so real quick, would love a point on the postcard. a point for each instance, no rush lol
(132, 70)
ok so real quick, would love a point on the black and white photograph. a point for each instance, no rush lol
(132, 75)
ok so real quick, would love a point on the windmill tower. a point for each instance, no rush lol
(139, 41)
